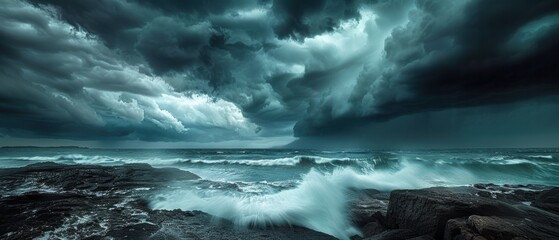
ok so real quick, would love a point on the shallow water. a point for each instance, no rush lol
(305, 187)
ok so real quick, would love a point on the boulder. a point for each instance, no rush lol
(366, 203)
(373, 228)
(458, 229)
(492, 227)
(422, 237)
(426, 211)
(496, 228)
(394, 234)
(548, 200)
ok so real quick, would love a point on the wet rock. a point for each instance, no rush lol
(427, 210)
(459, 213)
(29, 215)
(548, 200)
(458, 229)
(423, 237)
(93, 202)
(365, 204)
(533, 223)
(485, 185)
(509, 193)
(55, 201)
(394, 234)
(93, 177)
(492, 227)
(137, 231)
(198, 225)
(376, 225)
(496, 228)
(373, 228)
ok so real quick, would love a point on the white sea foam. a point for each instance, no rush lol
(260, 162)
(100, 159)
(67, 157)
(541, 156)
(318, 202)
(516, 161)
(92, 159)
(288, 161)
(497, 158)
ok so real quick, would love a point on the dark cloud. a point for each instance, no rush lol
(115, 22)
(455, 54)
(202, 8)
(307, 18)
(531, 123)
(167, 44)
(225, 70)
(60, 82)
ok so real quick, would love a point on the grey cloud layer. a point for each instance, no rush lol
(219, 70)
(58, 81)
(453, 54)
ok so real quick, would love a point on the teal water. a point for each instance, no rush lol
(304, 187)
(512, 166)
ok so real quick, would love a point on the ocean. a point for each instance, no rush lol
(304, 187)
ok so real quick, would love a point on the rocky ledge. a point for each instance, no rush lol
(478, 212)
(54, 201)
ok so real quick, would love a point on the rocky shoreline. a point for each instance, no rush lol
(482, 211)
(50, 201)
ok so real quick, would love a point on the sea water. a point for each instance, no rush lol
(309, 188)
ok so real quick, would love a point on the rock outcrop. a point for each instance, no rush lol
(478, 212)
(91, 177)
(548, 200)
(427, 210)
(55, 201)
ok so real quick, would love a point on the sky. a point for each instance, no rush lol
(266, 73)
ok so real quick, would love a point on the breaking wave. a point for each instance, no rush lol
(318, 202)
(260, 188)
(289, 161)
(99, 159)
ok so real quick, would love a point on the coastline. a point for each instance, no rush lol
(49, 200)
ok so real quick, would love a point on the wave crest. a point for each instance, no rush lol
(289, 161)
(318, 202)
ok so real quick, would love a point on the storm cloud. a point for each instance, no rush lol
(207, 71)
(449, 55)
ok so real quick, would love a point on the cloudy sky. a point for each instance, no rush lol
(262, 73)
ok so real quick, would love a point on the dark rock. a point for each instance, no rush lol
(458, 229)
(31, 214)
(373, 228)
(364, 213)
(198, 225)
(366, 203)
(93, 177)
(422, 237)
(496, 228)
(509, 193)
(532, 223)
(485, 194)
(137, 231)
(95, 202)
(548, 200)
(376, 225)
(394, 234)
(485, 185)
(427, 210)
